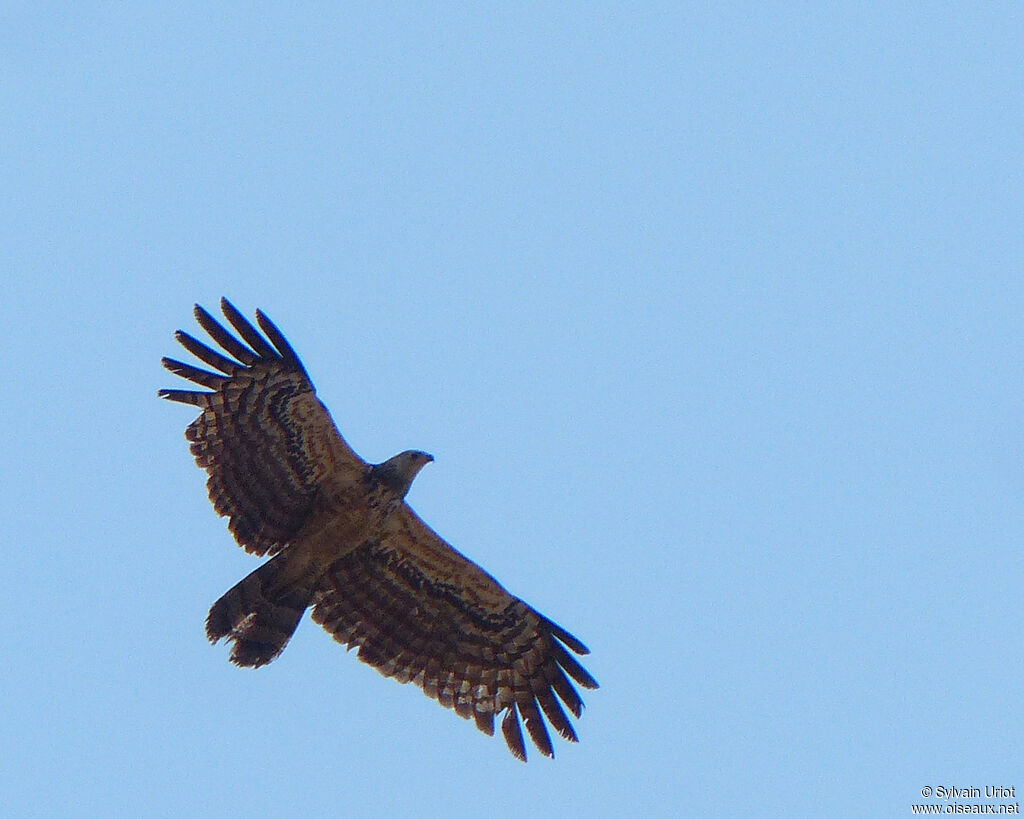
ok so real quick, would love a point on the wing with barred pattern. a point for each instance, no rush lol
(262, 435)
(421, 612)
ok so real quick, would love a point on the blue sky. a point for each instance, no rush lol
(710, 315)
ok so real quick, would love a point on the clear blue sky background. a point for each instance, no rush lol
(711, 316)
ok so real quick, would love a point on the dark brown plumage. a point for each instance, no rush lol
(343, 540)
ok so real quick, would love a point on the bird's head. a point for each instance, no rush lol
(398, 472)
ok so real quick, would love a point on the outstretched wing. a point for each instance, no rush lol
(263, 436)
(419, 611)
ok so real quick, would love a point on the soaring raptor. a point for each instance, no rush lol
(343, 540)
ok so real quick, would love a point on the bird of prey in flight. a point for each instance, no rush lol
(342, 540)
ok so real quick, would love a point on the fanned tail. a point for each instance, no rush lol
(258, 615)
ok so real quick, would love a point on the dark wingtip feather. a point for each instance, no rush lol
(513, 733)
(204, 353)
(275, 335)
(248, 333)
(226, 341)
(573, 668)
(197, 399)
(535, 725)
(279, 341)
(570, 640)
(202, 377)
(565, 690)
(556, 716)
(201, 313)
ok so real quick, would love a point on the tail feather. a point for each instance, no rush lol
(258, 616)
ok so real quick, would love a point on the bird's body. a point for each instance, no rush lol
(348, 514)
(343, 540)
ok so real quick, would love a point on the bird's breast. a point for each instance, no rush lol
(345, 521)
